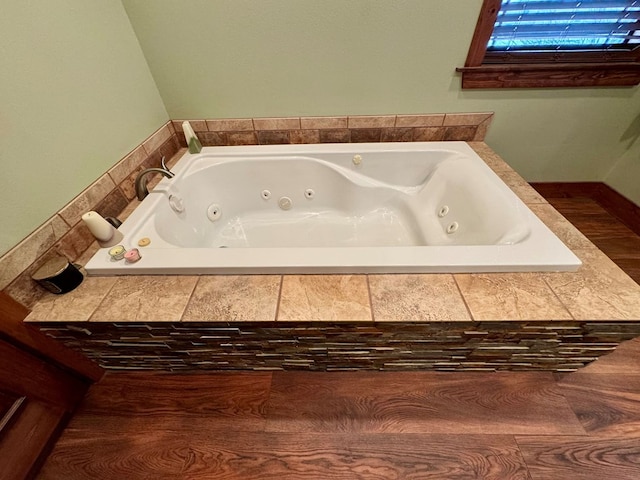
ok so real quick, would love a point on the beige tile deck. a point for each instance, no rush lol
(510, 296)
(150, 298)
(521, 188)
(324, 297)
(600, 290)
(570, 235)
(228, 298)
(416, 298)
(77, 305)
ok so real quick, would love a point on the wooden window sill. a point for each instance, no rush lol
(551, 75)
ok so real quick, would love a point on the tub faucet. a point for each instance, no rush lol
(141, 179)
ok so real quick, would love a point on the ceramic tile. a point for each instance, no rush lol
(242, 138)
(335, 136)
(365, 135)
(510, 296)
(416, 298)
(212, 139)
(459, 134)
(230, 125)
(341, 135)
(599, 290)
(492, 159)
(112, 204)
(520, 187)
(168, 149)
(77, 305)
(127, 165)
(74, 243)
(323, 122)
(30, 249)
(87, 254)
(570, 235)
(304, 136)
(229, 298)
(397, 134)
(157, 139)
(177, 155)
(273, 137)
(60, 227)
(146, 297)
(283, 123)
(420, 120)
(482, 130)
(462, 119)
(197, 125)
(428, 134)
(87, 200)
(324, 297)
(24, 289)
(372, 121)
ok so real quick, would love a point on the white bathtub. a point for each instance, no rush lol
(335, 208)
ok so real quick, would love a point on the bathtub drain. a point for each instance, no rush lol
(285, 203)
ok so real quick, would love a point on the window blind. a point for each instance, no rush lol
(544, 25)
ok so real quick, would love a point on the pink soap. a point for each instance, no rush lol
(132, 255)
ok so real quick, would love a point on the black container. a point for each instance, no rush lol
(58, 275)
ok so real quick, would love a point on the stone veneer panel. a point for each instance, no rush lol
(326, 346)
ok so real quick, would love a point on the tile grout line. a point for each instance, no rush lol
(464, 300)
(186, 304)
(279, 298)
(559, 299)
(373, 316)
(106, 294)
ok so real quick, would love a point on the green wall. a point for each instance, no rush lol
(78, 90)
(76, 96)
(249, 58)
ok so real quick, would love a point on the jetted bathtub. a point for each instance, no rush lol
(335, 208)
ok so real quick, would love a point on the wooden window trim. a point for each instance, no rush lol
(526, 70)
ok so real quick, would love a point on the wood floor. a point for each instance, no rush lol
(369, 425)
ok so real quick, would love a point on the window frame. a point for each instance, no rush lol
(484, 69)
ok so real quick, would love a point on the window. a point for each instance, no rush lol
(554, 43)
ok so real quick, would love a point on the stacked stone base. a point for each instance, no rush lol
(324, 346)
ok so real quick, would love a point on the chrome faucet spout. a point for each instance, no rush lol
(141, 180)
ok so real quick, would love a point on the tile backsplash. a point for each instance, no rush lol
(65, 233)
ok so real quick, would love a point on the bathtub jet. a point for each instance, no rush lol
(424, 207)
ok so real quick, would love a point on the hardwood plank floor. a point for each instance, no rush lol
(374, 425)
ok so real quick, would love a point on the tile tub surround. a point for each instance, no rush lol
(65, 234)
(543, 321)
(466, 127)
